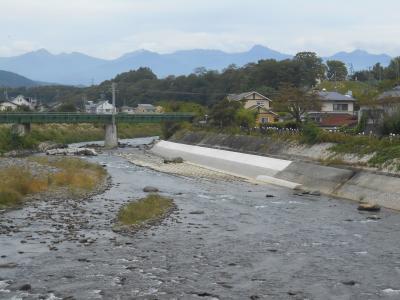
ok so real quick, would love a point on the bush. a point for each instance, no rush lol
(311, 134)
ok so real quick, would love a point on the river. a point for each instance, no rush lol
(227, 241)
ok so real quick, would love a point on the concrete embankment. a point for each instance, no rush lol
(346, 183)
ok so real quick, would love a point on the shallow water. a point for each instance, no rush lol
(243, 245)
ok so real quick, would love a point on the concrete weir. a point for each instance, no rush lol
(355, 185)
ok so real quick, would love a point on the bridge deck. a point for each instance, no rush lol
(92, 118)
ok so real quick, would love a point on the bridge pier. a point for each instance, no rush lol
(111, 137)
(21, 129)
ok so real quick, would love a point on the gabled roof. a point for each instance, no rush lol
(239, 97)
(146, 105)
(334, 96)
(393, 93)
(102, 102)
(262, 110)
(9, 102)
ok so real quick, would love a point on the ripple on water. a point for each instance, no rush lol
(391, 292)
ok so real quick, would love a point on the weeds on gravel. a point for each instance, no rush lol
(73, 173)
(17, 182)
(144, 210)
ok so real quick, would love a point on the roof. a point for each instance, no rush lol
(102, 102)
(334, 96)
(238, 97)
(395, 92)
(146, 105)
(338, 120)
(9, 102)
(262, 110)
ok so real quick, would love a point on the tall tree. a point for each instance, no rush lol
(337, 70)
(311, 67)
(297, 102)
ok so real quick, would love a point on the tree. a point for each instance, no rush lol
(311, 67)
(67, 107)
(245, 118)
(337, 70)
(297, 102)
(223, 113)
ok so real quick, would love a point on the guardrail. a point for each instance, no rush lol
(26, 117)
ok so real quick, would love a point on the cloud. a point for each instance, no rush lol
(109, 28)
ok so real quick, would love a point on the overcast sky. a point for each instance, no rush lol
(109, 28)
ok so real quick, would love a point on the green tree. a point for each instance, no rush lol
(311, 67)
(245, 118)
(337, 70)
(297, 102)
(67, 107)
(224, 113)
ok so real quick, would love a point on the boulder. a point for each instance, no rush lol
(72, 151)
(150, 189)
(43, 147)
(175, 160)
(368, 207)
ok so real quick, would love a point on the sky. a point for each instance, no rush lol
(110, 28)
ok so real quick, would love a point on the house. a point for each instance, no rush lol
(251, 100)
(145, 108)
(105, 107)
(101, 107)
(255, 101)
(334, 103)
(8, 106)
(21, 100)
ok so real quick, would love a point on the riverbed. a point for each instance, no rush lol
(226, 241)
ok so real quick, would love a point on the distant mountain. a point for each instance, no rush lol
(9, 79)
(360, 59)
(80, 69)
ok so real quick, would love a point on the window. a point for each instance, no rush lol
(340, 107)
(260, 103)
(264, 120)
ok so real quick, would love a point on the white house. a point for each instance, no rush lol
(8, 106)
(101, 107)
(127, 109)
(21, 100)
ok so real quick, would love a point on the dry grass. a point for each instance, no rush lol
(144, 210)
(75, 174)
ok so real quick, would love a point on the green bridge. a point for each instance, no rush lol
(23, 120)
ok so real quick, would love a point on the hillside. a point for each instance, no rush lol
(12, 80)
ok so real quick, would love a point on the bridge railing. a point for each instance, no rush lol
(60, 117)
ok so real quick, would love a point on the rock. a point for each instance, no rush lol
(196, 212)
(374, 217)
(269, 196)
(315, 193)
(72, 151)
(8, 266)
(25, 287)
(349, 282)
(175, 160)
(43, 147)
(368, 207)
(150, 189)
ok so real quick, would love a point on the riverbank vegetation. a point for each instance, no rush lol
(42, 174)
(147, 210)
(70, 133)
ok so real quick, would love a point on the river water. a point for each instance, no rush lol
(227, 241)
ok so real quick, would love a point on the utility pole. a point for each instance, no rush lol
(113, 89)
(6, 94)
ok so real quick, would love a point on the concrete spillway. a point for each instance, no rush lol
(346, 183)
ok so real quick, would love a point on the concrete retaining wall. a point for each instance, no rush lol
(354, 185)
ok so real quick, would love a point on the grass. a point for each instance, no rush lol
(70, 133)
(144, 210)
(75, 174)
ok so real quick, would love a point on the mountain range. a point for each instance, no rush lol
(9, 79)
(80, 69)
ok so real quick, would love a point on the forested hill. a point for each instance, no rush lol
(9, 79)
(204, 87)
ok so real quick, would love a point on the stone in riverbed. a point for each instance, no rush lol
(150, 189)
(175, 160)
(368, 207)
(25, 287)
